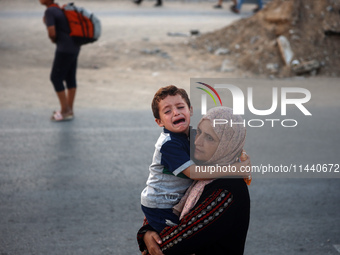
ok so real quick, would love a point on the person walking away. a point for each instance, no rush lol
(158, 3)
(237, 8)
(65, 60)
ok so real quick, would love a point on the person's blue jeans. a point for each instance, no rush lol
(240, 2)
(159, 219)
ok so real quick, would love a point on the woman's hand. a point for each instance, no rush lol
(52, 34)
(152, 242)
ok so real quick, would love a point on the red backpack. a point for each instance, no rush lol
(85, 27)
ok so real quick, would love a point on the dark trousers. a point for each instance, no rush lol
(159, 218)
(64, 69)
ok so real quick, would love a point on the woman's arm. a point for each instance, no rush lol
(52, 33)
(50, 23)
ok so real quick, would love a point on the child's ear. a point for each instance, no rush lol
(159, 122)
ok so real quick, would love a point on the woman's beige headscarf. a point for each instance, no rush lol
(232, 136)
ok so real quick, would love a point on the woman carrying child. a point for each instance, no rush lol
(215, 217)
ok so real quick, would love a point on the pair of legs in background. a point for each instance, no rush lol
(237, 4)
(237, 8)
(64, 69)
(158, 3)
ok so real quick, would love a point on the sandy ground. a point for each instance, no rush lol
(115, 72)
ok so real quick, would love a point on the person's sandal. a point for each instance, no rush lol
(58, 117)
(218, 6)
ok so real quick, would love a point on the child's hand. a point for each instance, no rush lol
(152, 241)
(243, 158)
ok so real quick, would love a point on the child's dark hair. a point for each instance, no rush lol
(162, 93)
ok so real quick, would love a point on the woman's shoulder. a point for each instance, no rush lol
(55, 11)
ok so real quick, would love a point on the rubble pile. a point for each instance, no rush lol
(286, 38)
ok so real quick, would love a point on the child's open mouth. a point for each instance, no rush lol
(179, 121)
